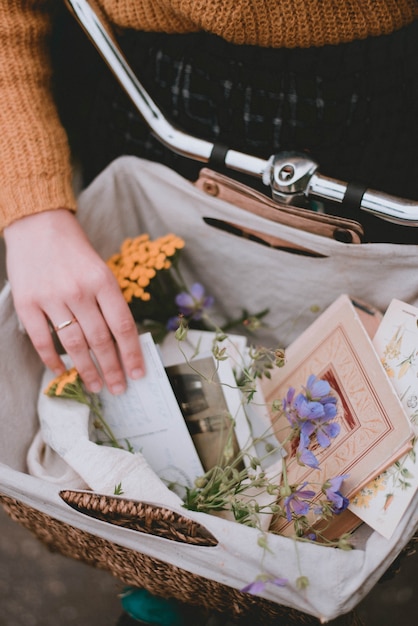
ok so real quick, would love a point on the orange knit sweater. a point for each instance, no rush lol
(35, 174)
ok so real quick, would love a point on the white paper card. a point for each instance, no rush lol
(148, 416)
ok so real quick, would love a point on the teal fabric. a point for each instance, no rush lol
(149, 609)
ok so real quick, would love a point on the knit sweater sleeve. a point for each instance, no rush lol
(35, 172)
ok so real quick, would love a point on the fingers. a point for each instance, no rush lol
(102, 344)
(122, 325)
(115, 353)
(103, 347)
(76, 345)
(38, 329)
(111, 333)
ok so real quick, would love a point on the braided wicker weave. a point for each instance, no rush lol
(139, 516)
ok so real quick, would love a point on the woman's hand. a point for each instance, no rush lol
(59, 281)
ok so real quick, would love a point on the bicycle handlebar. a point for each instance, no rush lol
(290, 175)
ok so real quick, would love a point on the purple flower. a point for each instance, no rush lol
(332, 491)
(298, 502)
(255, 587)
(288, 400)
(307, 409)
(299, 409)
(319, 390)
(260, 584)
(173, 323)
(322, 428)
(289, 409)
(324, 432)
(192, 304)
(307, 457)
(303, 454)
(309, 415)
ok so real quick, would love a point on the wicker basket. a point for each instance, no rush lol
(131, 539)
(136, 569)
(157, 577)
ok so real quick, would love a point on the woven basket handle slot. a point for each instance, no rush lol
(140, 516)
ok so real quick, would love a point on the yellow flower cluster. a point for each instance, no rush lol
(70, 386)
(139, 260)
(57, 386)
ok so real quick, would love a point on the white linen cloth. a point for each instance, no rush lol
(62, 453)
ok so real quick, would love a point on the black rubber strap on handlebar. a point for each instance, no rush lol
(218, 155)
(353, 196)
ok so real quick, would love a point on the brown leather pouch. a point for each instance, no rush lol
(248, 199)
